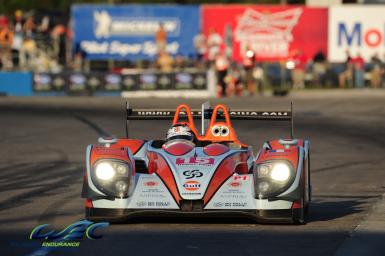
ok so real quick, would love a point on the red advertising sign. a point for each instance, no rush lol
(273, 32)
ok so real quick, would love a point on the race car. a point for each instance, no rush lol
(188, 173)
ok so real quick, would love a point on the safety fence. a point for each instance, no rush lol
(101, 83)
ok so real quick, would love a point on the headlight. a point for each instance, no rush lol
(280, 172)
(104, 171)
(112, 177)
(273, 177)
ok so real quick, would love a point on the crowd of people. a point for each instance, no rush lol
(296, 71)
(355, 70)
(27, 43)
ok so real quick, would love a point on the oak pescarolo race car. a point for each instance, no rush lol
(198, 174)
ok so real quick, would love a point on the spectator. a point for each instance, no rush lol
(298, 73)
(214, 42)
(165, 62)
(28, 53)
(383, 72)
(234, 80)
(29, 27)
(44, 25)
(376, 71)
(17, 38)
(6, 37)
(180, 63)
(319, 67)
(161, 39)
(200, 45)
(359, 69)
(258, 74)
(221, 67)
(58, 42)
(77, 64)
(248, 65)
(346, 75)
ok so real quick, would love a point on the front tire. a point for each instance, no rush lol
(299, 215)
(100, 215)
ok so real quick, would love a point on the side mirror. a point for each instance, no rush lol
(107, 141)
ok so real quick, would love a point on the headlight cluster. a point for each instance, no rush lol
(112, 177)
(272, 178)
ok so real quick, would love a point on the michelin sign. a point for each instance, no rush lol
(128, 31)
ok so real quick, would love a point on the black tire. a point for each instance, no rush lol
(307, 207)
(299, 215)
(89, 215)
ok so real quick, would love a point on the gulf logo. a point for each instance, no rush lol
(234, 184)
(151, 183)
(191, 185)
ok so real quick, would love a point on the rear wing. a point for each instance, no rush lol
(206, 112)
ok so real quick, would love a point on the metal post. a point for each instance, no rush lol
(127, 121)
(292, 121)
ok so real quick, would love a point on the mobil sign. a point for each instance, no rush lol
(357, 29)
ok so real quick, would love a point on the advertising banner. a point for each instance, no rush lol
(89, 83)
(273, 32)
(127, 32)
(357, 29)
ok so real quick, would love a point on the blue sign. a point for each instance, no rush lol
(127, 32)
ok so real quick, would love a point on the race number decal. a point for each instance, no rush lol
(195, 161)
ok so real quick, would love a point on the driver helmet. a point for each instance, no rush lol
(180, 132)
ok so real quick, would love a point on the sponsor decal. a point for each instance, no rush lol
(151, 194)
(230, 204)
(238, 204)
(256, 113)
(235, 184)
(357, 29)
(240, 177)
(110, 151)
(195, 161)
(279, 152)
(153, 204)
(233, 196)
(272, 32)
(269, 34)
(192, 185)
(190, 174)
(118, 32)
(154, 113)
(107, 25)
(218, 204)
(141, 203)
(151, 183)
(237, 181)
(191, 193)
